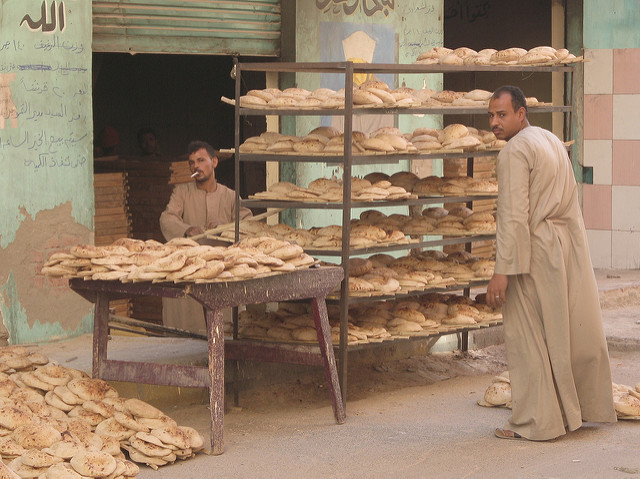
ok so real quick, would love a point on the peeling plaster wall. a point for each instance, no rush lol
(376, 32)
(46, 189)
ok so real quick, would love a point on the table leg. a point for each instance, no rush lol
(321, 320)
(100, 332)
(215, 339)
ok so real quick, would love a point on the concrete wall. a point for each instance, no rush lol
(611, 37)
(380, 32)
(46, 186)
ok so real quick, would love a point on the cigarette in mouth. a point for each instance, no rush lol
(195, 174)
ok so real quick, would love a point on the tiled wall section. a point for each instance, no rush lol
(611, 204)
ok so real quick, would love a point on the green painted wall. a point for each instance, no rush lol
(611, 24)
(46, 189)
(394, 32)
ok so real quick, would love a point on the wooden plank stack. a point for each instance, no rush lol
(180, 173)
(149, 190)
(112, 219)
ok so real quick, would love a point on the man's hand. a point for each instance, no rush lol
(497, 290)
(192, 231)
(211, 225)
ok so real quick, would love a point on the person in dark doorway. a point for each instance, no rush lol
(193, 208)
(544, 282)
(148, 142)
(108, 141)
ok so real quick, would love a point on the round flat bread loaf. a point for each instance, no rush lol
(252, 101)
(363, 97)
(498, 394)
(450, 59)
(266, 96)
(478, 95)
(38, 458)
(91, 389)
(386, 97)
(435, 52)
(93, 463)
(477, 60)
(36, 436)
(139, 408)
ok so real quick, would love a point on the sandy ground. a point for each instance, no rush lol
(406, 418)
(413, 418)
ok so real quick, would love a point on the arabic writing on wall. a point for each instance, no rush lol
(44, 91)
(468, 10)
(349, 7)
(47, 23)
(421, 28)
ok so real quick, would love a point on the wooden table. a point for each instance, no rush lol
(312, 283)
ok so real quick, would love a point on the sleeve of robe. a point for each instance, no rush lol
(171, 223)
(513, 241)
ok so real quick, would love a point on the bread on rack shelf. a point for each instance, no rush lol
(541, 55)
(416, 272)
(329, 190)
(377, 94)
(430, 314)
(384, 141)
(362, 235)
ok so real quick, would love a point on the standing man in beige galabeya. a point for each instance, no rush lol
(194, 207)
(544, 282)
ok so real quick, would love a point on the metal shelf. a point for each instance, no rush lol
(446, 240)
(342, 67)
(347, 159)
(452, 110)
(427, 200)
(357, 159)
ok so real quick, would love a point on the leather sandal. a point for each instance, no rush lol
(507, 434)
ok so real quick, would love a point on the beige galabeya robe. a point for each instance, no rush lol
(556, 349)
(189, 206)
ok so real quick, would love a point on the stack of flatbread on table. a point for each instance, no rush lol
(57, 422)
(178, 260)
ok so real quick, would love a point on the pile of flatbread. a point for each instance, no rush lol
(56, 422)
(362, 235)
(383, 274)
(626, 400)
(457, 221)
(328, 141)
(294, 322)
(431, 313)
(433, 185)
(541, 55)
(329, 190)
(178, 260)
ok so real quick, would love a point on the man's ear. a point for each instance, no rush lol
(522, 113)
(214, 161)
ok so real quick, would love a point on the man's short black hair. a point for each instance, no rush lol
(144, 131)
(197, 145)
(518, 99)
